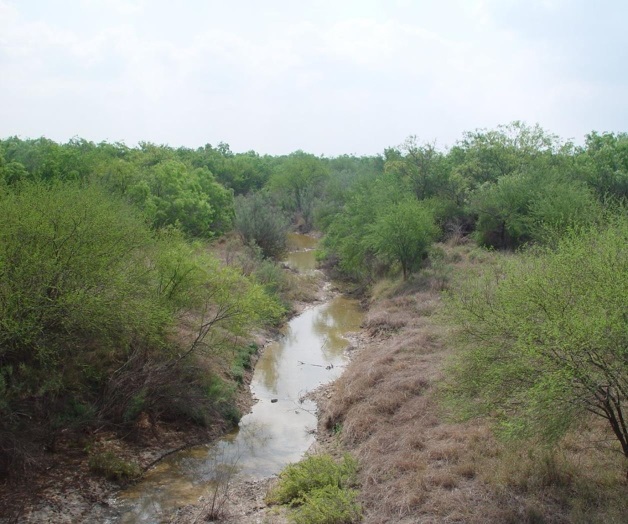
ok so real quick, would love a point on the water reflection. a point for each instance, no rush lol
(297, 242)
(278, 430)
(304, 260)
(333, 322)
(301, 255)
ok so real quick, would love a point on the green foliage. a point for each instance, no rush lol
(89, 301)
(350, 234)
(328, 505)
(241, 172)
(71, 279)
(13, 173)
(137, 404)
(46, 160)
(312, 473)
(561, 206)
(172, 194)
(502, 209)
(603, 164)
(168, 190)
(271, 276)
(191, 278)
(346, 236)
(259, 222)
(487, 155)
(534, 206)
(300, 180)
(346, 172)
(381, 225)
(547, 336)
(76, 413)
(107, 464)
(423, 168)
(242, 361)
(320, 490)
(403, 233)
(222, 397)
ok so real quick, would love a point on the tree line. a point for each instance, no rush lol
(107, 287)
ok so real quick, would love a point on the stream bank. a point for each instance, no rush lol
(69, 492)
(278, 430)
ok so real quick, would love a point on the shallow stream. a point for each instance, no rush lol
(281, 425)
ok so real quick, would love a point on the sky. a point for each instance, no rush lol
(329, 77)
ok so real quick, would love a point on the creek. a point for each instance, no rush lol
(281, 425)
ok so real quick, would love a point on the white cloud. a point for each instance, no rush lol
(120, 7)
(344, 77)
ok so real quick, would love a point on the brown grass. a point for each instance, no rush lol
(416, 466)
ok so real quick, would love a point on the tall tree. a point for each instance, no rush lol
(300, 178)
(422, 167)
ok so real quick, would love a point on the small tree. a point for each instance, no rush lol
(258, 221)
(547, 337)
(403, 234)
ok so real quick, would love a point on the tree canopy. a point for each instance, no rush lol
(547, 336)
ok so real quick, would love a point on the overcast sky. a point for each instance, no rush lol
(328, 77)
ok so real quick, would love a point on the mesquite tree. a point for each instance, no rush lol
(547, 336)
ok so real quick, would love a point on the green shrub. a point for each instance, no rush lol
(259, 222)
(544, 337)
(135, 406)
(74, 294)
(271, 276)
(313, 473)
(74, 413)
(242, 361)
(222, 396)
(89, 301)
(407, 245)
(328, 505)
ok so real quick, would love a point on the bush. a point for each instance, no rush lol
(271, 276)
(403, 234)
(74, 295)
(328, 505)
(546, 337)
(313, 473)
(89, 302)
(242, 361)
(259, 222)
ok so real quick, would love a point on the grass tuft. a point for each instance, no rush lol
(112, 467)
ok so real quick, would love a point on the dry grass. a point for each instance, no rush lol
(416, 466)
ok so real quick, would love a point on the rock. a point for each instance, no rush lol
(273, 400)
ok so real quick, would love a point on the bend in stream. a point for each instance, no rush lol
(281, 425)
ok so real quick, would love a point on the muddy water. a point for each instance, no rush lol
(301, 255)
(279, 428)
